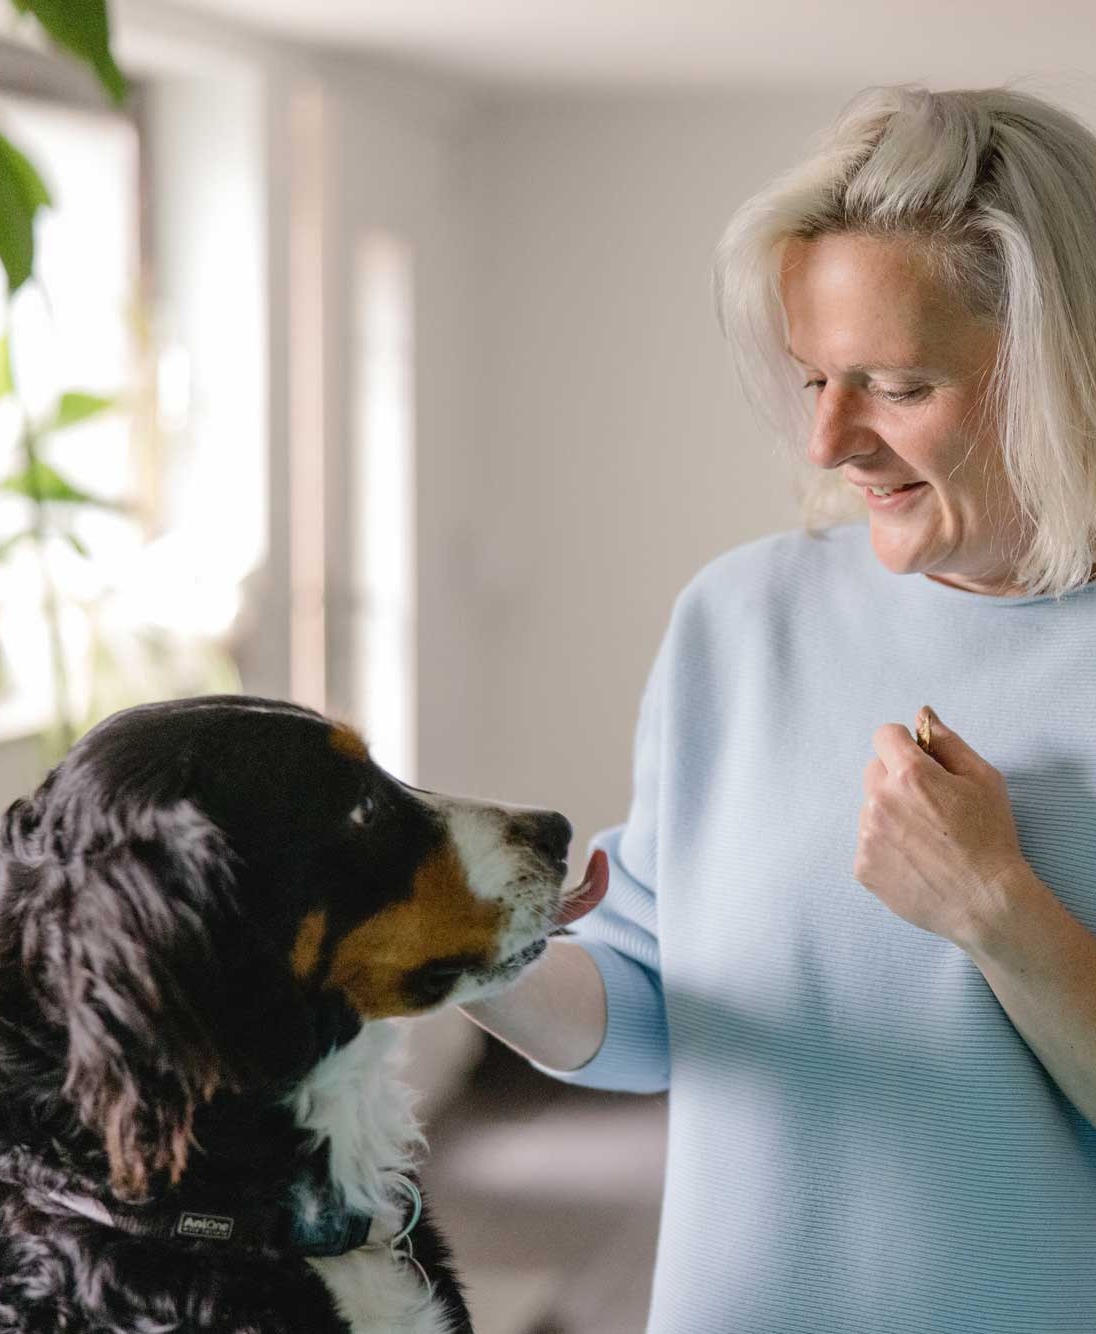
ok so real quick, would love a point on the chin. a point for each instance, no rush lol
(895, 554)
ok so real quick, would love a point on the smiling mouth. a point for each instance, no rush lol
(888, 490)
(899, 498)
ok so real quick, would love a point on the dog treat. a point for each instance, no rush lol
(924, 732)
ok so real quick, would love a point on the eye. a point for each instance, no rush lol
(891, 396)
(903, 396)
(364, 812)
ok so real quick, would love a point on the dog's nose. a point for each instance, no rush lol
(547, 831)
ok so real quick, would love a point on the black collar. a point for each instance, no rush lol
(310, 1217)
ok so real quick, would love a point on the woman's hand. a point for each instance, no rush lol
(937, 840)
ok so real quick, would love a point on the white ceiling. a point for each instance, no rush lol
(704, 42)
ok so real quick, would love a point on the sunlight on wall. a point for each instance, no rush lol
(307, 442)
(384, 492)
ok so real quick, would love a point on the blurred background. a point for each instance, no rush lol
(368, 359)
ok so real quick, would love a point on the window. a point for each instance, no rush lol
(153, 287)
(72, 327)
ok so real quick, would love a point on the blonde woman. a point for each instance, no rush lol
(864, 961)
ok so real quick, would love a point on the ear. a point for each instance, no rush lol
(120, 946)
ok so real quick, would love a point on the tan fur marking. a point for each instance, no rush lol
(306, 947)
(347, 742)
(442, 918)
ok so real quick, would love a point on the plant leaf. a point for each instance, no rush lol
(21, 195)
(10, 543)
(7, 383)
(31, 185)
(82, 26)
(77, 407)
(78, 545)
(41, 482)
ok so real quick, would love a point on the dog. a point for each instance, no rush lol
(214, 914)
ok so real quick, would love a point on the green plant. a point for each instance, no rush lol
(53, 500)
(138, 661)
(83, 29)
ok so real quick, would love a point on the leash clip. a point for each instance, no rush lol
(401, 1246)
(415, 1196)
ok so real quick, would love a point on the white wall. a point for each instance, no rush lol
(614, 454)
(399, 174)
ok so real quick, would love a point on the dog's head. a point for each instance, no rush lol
(206, 895)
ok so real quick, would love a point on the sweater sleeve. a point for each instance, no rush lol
(621, 934)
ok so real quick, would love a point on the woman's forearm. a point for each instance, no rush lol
(555, 1014)
(1041, 964)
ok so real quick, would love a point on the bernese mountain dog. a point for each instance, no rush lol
(214, 915)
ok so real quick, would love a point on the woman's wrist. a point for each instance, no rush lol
(997, 926)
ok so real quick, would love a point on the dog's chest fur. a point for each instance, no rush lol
(354, 1099)
(379, 1295)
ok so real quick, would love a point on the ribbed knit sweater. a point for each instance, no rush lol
(860, 1142)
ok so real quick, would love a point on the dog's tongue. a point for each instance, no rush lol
(587, 895)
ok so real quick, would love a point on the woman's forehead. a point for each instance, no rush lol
(871, 305)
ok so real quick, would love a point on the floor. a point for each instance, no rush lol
(549, 1197)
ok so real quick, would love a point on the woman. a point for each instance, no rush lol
(866, 968)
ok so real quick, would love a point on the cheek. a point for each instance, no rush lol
(971, 483)
(965, 453)
(932, 447)
(374, 964)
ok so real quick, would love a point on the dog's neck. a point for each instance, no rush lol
(345, 1131)
(302, 1214)
(354, 1098)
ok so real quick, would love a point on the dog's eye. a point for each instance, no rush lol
(364, 811)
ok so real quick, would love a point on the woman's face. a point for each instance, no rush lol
(898, 371)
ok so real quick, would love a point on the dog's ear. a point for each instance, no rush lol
(121, 946)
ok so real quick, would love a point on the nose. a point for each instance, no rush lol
(836, 435)
(547, 832)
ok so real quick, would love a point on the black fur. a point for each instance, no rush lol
(149, 892)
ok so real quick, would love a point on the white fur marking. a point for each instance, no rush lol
(497, 870)
(379, 1294)
(354, 1099)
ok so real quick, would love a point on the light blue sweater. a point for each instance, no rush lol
(860, 1141)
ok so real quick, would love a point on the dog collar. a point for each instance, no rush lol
(311, 1218)
(308, 1229)
(220, 1225)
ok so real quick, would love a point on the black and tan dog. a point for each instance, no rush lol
(210, 912)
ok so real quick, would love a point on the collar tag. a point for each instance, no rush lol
(207, 1227)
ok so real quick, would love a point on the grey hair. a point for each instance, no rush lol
(998, 190)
